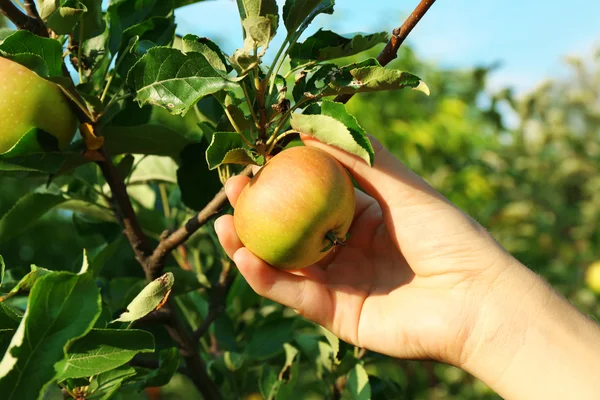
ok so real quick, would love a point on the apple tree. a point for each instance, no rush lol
(127, 131)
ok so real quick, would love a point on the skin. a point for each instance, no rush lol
(287, 210)
(27, 101)
(420, 279)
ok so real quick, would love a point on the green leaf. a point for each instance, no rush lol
(63, 20)
(208, 48)
(327, 45)
(5, 32)
(26, 211)
(257, 8)
(124, 14)
(160, 31)
(92, 21)
(154, 139)
(183, 3)
(268, 339)
(149, 299)
(168, 363)
(26, 283)
(259, 32)
(358, 383)
(9, 319)
(48, 52)
(153, 168)
(268, 382)
(227, 148)
(102, 350)
(337, 128)
(197, 183)
(372, 79)
(334, 341)
(2, 268)
(106, 384)
(62, 307)
(175, 81)
(288, 376)
(297, 13)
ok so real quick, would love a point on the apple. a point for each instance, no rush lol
(296, 209)
(592, 276)
(28, 101)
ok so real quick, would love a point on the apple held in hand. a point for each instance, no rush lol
(297, 208)
(28, 101)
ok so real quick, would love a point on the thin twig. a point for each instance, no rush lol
(168, 243)
(218, 300)
(390, 51)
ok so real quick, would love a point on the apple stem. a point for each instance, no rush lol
(335, 241)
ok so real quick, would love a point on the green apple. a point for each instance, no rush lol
(592, 276)
(28, 101)
(296, 209)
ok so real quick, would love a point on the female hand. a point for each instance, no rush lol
(419, 279)
(409, 280)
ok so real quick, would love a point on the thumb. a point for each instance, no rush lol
(389, 181)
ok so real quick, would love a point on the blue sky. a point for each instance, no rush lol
(530, 37)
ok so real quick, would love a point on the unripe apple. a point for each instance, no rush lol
(592, 276)
(297, 208)
(28, 101)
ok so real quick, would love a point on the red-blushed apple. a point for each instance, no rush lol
(296, 209)
(28, 101)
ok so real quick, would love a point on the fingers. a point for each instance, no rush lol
(307, 296)
(389, 181)
(301, 290)
(227, 235)
(234, 186)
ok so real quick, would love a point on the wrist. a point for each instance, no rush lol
(529, 342)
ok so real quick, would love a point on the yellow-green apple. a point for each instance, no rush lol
(297, 208)
(28, 101)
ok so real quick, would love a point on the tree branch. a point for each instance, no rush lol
(124, 211)
(170, 242)
(390, 51)
(31, 22)
(218, 300)
(195, 365)
(31, 9)
(15, 15)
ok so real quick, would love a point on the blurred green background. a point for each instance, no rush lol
(534, 184)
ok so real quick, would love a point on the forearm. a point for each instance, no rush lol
(530, 343)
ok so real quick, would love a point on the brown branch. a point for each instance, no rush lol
(124, 210)
(31, 22)
(15, 15)
(196, 369)
(218, 300)
(170, 242)
(399, 35)
(31, 9)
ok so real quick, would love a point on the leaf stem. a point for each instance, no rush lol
(287, 115)
(234, 124)
(297, 67)
(277, 139)
(79, 51)
(250, 106)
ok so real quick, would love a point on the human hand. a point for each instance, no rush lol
(409, 281)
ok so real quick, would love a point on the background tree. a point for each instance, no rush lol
(133, 198)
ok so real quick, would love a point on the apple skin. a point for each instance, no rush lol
(285, 213)
(28, 101)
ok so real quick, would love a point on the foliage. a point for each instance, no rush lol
(170, 118)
